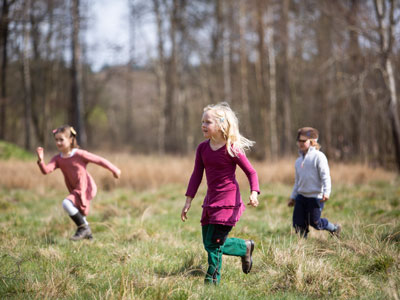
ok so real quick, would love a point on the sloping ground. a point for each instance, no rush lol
(12, 151)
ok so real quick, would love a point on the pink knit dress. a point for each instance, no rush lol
(79, 182)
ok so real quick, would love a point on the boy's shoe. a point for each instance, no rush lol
(337, 231)
(83, 232)
(247, 260)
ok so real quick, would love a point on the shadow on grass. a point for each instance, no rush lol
(190, 267)
(391, 235)
(195, 271)
(12, 277)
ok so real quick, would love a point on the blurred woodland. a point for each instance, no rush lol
(281, 64)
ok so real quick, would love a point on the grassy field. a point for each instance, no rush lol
(141, 249)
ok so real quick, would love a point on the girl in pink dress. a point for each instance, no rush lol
(81, 186)
(218, 156)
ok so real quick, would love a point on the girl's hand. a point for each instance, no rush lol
(40, 153)
(291, 202)
(253, 199)
(186, 208)
(117, 174)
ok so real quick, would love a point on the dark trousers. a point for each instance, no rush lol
(307, 212)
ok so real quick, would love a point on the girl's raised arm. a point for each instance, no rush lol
(45, 169)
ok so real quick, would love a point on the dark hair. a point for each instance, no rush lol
(71, 132)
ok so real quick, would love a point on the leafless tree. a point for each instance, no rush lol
(4, 35)
(160, 75)
(281, 65)
(27, 78)
(287, 136)
(77, 102)
(272, 85)
(384, 11)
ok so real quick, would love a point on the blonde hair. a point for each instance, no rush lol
(314, 143)
(229, 125)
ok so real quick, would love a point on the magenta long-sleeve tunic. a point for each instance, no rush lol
(79, 182)
(222, 203)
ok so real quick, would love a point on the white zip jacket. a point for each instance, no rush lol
(313, 179)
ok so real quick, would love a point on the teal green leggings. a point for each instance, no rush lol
(216, 243)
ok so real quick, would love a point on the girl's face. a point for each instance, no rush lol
(209, 125)
(303, 144)
(63, 142)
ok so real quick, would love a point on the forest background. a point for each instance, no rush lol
(281, 65)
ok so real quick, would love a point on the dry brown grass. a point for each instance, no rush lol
(149, 172)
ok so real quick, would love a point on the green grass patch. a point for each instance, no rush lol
(142, 250)
(12, 151)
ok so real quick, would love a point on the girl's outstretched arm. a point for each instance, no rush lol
(98, 160)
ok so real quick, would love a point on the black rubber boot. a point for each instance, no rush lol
(78, 219)
(83, 231)
(247, 260)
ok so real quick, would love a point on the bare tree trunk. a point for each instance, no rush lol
(215, 55)
(325, 90)
(226, 53)
(171, 140)
(357, 118)
(36, 67)
(50, 71)
(27, 78)
(4, 59)
(243, 62)
(272, 84)
(362, 128)
(260, 110)
(287, 124)
(129, 129)
(77, 76)
(160, 74)
(182, 89)
(393, 115)
(386, 34)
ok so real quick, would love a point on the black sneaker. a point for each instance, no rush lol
(83, 232)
